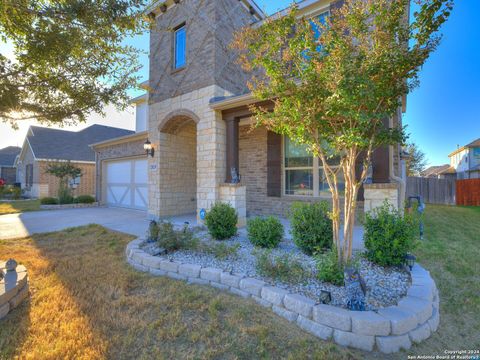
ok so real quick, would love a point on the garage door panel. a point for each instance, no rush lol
(127, 183)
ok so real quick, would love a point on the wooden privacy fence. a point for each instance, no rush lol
(432, 190)
(468, 192)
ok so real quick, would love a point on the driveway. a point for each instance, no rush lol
(20, 225)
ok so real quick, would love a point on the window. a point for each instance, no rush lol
(304, 174)
(180, 46)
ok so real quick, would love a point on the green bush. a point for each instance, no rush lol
(16, 192)
(84, 199)
(283, 267)
(173, 240)
(48, 201)
(311, 226)
(328, 268)
(389, 235)
(265, 232)
(221, 221)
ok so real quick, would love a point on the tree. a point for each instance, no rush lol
(416, 161)
(334, 82)
(70, 59)
(65, 172)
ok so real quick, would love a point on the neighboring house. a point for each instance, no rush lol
(440, 172)
(199, 123)
(43, 146)
(8, 171)
(466, 161)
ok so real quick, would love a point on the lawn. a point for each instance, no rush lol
(86, 302)
(7, 207)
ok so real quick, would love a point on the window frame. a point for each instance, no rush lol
(183, 27)
(315, 168)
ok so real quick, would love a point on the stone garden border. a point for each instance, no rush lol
(68, 206)
(13, 288)
(389, 330)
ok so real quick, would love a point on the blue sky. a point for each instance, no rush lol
(443, 112)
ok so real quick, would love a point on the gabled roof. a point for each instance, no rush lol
(473, 144)
(437, 170)
(54, 144)
(8, 155)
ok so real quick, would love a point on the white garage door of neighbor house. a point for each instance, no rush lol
(127, 183)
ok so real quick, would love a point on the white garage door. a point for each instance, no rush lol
(126, 184)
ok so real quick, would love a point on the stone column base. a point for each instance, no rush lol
(236, 195)
(376, 194)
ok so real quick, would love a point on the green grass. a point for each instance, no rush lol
(86, 302)
(13, 207)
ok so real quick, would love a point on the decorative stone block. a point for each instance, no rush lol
(139, 267)
(369, 323)
(422, 308)
(376, 194)
(169, 266)
(332, 316)
(318, 330)
(273, 295)
(346, 338)
(289, 315)
(138, 256)
(420, 333)
(391, 344)
(211, 274)
(219, 285)
(434, 321)
(262, 302)
(299, 304)
(252, 286)
(189, 270)
(240, 293)
(197, 281)
(401, 320)
(17, 299)
(176, 276)
(422, 292)
(4, 309)
(152, 261)
(230, 280)
(157, 272)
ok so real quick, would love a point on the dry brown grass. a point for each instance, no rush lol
(87, 303)
(13, 207)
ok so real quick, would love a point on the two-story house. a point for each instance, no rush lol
(198, 122)
(466, 161)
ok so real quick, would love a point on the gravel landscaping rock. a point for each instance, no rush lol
(385, 286)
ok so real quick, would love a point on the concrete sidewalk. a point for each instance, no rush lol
(125, 220)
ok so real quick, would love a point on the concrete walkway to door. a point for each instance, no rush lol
(20, 225)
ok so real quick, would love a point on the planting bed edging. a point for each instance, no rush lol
(68, 206)
(389, 330)
(13, 288)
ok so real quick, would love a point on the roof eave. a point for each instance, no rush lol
(119, 140)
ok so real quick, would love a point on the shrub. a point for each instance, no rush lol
(16, 192)
(265, 232)
(311, 226)
(220, 251)
(221, 221)
(389, 235)
(153, 231)
(328, 268)
(48, 201)
(85, 199)
(283, 267)
(172, 240)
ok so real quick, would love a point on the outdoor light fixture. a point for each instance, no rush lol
(410, 261)
(149, 150)
(325, 297)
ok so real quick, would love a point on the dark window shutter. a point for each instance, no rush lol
(274, 164)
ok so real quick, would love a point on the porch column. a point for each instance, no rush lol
(232, 147)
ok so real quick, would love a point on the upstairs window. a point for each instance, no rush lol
(180, 47)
